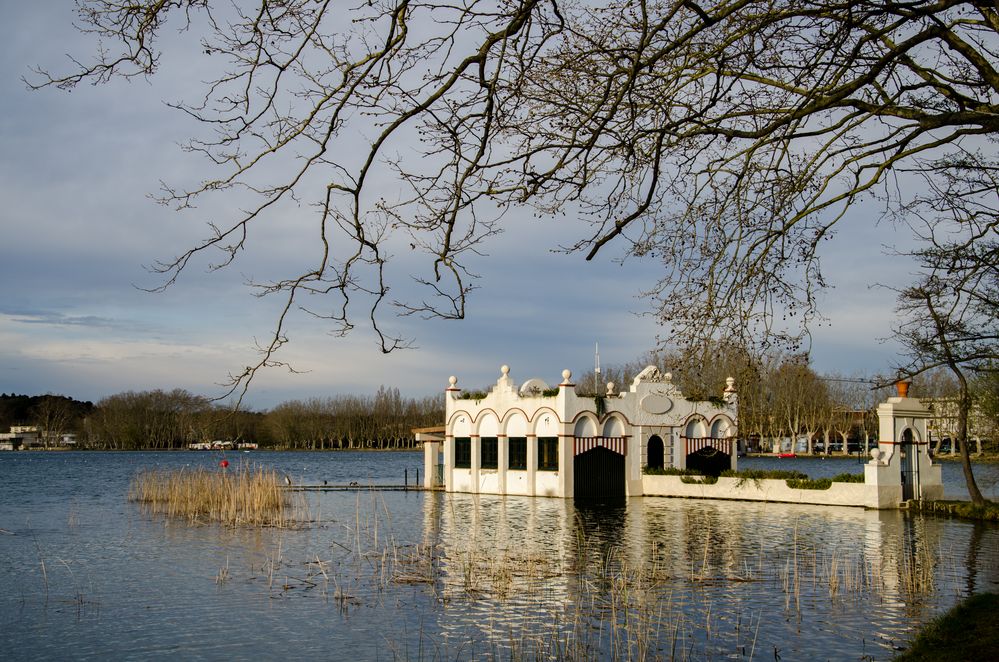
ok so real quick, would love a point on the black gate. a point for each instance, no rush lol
(598, 474)
(909, 457)
(655, 452)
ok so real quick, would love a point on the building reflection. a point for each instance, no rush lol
(519, 564)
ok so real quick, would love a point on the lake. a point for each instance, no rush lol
(425, 576)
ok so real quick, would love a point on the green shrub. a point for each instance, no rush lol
(848, 478)
(761, 474)
(809, 483)
(473, 395)
(669, 471)
(699, 480)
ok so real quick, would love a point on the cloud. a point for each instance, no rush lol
(51, 318)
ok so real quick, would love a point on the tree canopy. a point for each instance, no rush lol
(726, 138)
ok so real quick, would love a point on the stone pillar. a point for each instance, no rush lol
(679, 449)
(565, 441)
(476, 461)
(902, 428)
(431, 450)
(502, 455)
(532, 464)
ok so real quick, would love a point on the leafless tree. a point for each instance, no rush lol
(53, 414)
(725, 137)
(951, 312)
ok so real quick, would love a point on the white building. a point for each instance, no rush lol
(539, 441)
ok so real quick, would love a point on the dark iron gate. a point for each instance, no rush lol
(598, 474)
(910, 466)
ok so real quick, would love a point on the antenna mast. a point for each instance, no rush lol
(596, 369)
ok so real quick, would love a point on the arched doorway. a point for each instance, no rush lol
(910, 465)
(655, 452)
(598, 474)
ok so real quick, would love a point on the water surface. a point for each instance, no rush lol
(409, 575)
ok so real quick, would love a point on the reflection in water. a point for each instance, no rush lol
(693, 579)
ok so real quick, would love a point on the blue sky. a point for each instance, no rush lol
(77, 226)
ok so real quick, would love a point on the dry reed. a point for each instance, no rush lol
(244, 496)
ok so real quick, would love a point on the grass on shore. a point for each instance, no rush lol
(243, 496)
(964, 509)
(969, 631)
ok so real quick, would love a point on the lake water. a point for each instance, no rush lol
(425, 576)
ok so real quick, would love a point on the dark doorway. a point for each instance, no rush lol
(709, 461)
(910, 466)
(598, 474)
(655, 452)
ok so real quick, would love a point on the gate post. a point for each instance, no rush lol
(903, 452)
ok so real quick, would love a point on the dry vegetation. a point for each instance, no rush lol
(243, 496)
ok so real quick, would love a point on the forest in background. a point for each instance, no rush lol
(780, 398)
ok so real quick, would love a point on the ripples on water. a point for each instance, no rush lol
(408, 575)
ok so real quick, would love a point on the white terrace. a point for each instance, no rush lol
(539, 441)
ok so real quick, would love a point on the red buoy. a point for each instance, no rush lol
(224, 463)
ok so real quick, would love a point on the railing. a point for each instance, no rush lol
(617, 444)
(694, 444)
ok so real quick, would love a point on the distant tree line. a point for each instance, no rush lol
(781, 398)
(162, 420)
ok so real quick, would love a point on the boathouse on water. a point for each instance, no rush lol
(539, 441)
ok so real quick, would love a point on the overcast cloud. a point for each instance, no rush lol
(77, 225)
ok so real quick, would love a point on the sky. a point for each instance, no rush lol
(77, 226)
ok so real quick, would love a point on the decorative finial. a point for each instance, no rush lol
(730, 385)
(452, 381)
(668, 376)
(566, 375)
(610, 388)
(902, 386)
(505, 369)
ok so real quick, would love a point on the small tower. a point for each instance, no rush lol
(901, 466)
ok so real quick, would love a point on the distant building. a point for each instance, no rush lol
(20, 437)
(541, 441)
(942, 427)
(23, 437)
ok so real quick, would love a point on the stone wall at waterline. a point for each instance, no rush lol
(768, 489)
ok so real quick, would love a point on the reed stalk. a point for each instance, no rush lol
(245, 496)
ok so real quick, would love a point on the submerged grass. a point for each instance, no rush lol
(244, 496)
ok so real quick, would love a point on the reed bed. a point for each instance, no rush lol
(590, 600)
(244, 496)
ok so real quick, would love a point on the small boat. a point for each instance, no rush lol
(786, 455)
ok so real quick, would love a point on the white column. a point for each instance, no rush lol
(565, 456)
(449, 463)
(430, 450)
(502, 453)
(532, 463)
(476, 461)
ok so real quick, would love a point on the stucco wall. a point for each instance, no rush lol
(839, 494)
(547, 484)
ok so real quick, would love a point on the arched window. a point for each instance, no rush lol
(585, 428)
(655, 452)
(719, 429)
(695, 428)
(613, 427)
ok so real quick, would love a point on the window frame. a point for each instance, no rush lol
(488, 452)
(462, 452)
(516, 457)
(546, 457)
